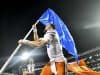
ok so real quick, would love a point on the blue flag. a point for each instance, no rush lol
(50, 17)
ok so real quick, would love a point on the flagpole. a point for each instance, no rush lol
(16, 50)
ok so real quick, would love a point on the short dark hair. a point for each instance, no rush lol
(53, 26)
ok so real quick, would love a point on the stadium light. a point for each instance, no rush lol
(25, 55)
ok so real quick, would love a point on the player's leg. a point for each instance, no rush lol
(60, 68)
(46, 70)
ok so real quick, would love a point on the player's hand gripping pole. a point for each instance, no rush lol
(16, 50)
(36, 37)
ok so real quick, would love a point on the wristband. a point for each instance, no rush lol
(34, 30)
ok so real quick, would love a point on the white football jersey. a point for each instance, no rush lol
(54, 48)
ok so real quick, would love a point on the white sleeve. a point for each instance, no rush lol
(48, 37)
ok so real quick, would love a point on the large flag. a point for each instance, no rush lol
(50, 17)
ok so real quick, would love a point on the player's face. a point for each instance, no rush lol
(47, 27)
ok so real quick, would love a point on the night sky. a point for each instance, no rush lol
(81, 16)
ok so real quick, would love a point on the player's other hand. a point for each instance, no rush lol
(20, 41)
